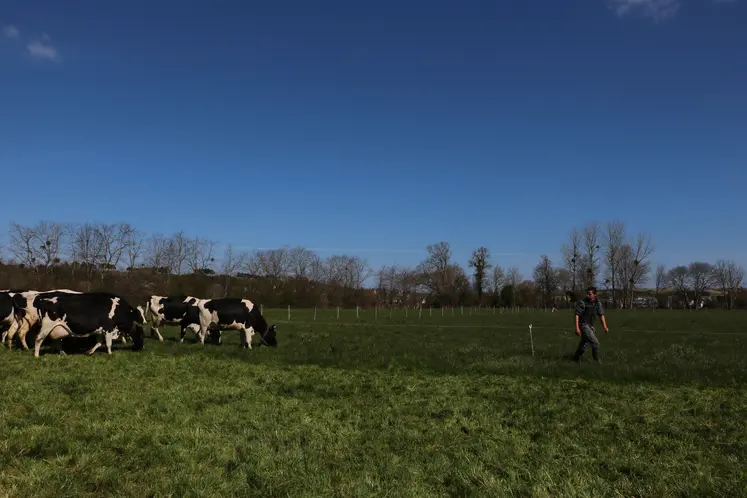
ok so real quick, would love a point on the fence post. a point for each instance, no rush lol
(289, 312)
(338, 312)
(314, 313)
(357, 314)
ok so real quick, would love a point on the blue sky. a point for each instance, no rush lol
(376, 128)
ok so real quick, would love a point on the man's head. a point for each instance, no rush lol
(591, 293)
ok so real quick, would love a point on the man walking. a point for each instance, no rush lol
(586, 311)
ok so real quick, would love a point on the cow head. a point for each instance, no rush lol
(269, 337)
(138, 337)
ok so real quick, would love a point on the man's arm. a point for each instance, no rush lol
(580, 307)
(600, 312)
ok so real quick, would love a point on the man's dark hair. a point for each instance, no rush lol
(591, 289)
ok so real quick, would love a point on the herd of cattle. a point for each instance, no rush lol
(64, 315)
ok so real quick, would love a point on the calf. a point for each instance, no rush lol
(236, 314)
(83, 315)
(172, 310)
(26, 314)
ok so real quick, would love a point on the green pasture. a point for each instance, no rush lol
(368, 405)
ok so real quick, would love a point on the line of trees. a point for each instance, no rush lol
(120, 258)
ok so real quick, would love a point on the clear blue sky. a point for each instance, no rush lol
(377, 127)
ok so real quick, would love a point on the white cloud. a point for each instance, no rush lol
(11, 31)
(655, 9)
(42, 50)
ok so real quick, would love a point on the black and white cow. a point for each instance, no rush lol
(83, 315)
(173, 310)
(235, 314)
(26, 315)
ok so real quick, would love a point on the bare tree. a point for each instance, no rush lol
(199, 255)
(359, 271)
(134, 247)
(571, 256)
(479, 262)
(230, 265)
(349, 272)
(436, 270)
(86, 248)
(272, 263)
(592, 236)
(317, 270)
(634, 266)
(177, 252)
(729, 276)
(615, 240)
(407, 283)
(300, 261)
(114, 237)
(461, 283)
(679, 278)
(157, 254)
(387, 283)
(39, 246)
(497, 281)
(21, 244)
(546, 279)
(565, 282)
(660, 280)
(513, 277)
(701, 278)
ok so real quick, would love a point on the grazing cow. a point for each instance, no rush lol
(173, 310)
(26, 315)
(83, 315)
(235, 314)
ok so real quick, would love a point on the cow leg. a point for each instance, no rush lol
(249, 335)
(246, 338)
(94, 348)
(12, 330)
(205, 325)
(8, 334)
(23, 329)
(108, 339)
(218, 336)
(154, 332)
(182, 333)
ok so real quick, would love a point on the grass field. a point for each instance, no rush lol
(437, 406)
